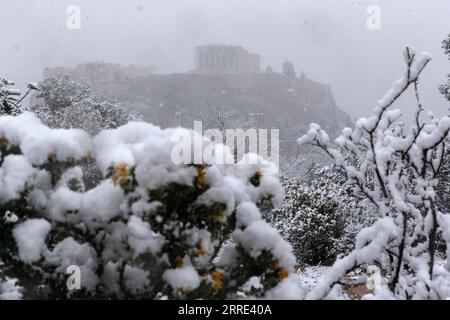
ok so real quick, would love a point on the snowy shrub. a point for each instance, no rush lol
(443, 187)
(443, 184)
(8, 287)
(9, 290)
(395, 168)
(8, 97)
(149, 229)
(63, 103)
(321, 217)
(445, 88)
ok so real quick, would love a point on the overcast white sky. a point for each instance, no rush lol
(328, 39)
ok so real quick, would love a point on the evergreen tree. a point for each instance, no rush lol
(64, 103)
(8, 97)
(443, 186)
(320, 218)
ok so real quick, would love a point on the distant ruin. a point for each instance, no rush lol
(101, 71)
(226, 59)
(225, 77)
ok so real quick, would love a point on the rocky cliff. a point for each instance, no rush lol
(283, 102)
(273, 99)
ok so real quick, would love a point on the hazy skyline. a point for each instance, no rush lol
(328, 40)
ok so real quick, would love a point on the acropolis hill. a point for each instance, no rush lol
(229, 77)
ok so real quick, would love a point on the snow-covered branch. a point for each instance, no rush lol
(395, 169)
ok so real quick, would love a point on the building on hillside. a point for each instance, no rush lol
(226, 59)
(100, 71)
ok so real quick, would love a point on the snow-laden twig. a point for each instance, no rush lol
(395, 169)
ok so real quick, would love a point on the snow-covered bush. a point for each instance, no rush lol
(10, 99)
(149, 229)
(9, 290)
(445, 88)
(63, 103)
(443, 185)
(320, 218)
(395, 168)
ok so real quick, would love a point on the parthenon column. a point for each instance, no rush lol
(200, 61)
(217, 60)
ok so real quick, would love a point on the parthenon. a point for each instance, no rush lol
(226, 59)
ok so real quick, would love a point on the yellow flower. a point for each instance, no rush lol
(283, 275)
(217, 218)
(217, 277)
(276, 265)
(88, 156)
(256, 179)
(201, 252)
(179, 262)
(201, 175)
(179, 291)
(120, 177)
(3, 141)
